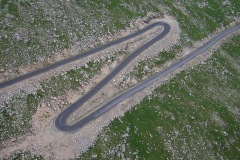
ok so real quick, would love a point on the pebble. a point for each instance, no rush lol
(2, 70)
(123, 148)
(94, 156)
(54, 98)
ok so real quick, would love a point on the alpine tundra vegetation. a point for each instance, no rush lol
(194, 114)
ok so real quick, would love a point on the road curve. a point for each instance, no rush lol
(60, 121)
(85, 54)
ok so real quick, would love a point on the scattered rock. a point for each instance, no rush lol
(5, 74)
(147, 20)
(150, 17)
(112, 152)
(94, 156)
(118, 154)
(146, 68)
(123, 148)
(128, 80)
(54, 98)
(2, 70)
(104, 156)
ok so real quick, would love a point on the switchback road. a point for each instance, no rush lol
(60, 121)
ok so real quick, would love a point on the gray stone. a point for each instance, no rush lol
(146, 68)
(147, 20)
(2, 70)
(123, 148)
(94, 156)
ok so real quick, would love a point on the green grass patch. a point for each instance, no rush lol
(25, 155)
(144, 68)
(16, 116)
(13, 9)
(72, 22)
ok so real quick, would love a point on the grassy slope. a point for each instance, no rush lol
(32, 30)
(194, 116)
